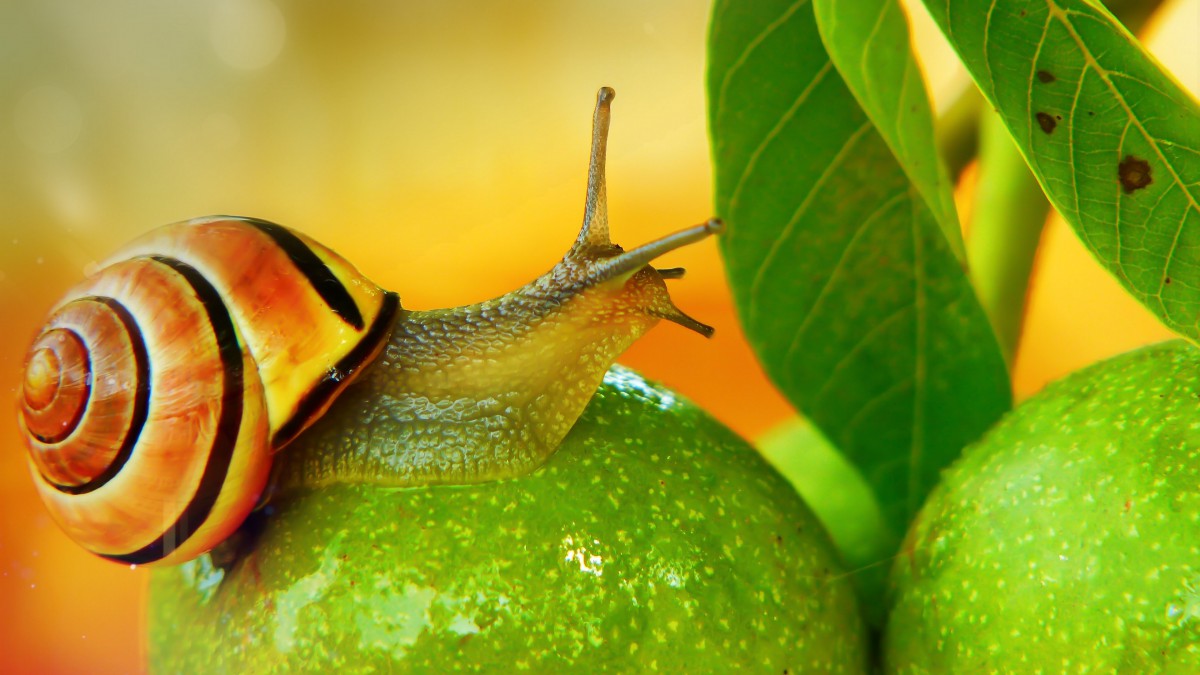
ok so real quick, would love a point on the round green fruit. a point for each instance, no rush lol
(654, 539)
(1068, 538)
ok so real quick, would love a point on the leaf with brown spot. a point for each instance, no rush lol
(846, 284)
(1134, 174)
(1046, 122)
(1123, 164)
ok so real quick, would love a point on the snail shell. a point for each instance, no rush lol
(158, 389)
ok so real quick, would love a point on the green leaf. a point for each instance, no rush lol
(842, 501)
(1113, 140)
(868, 42)
(847, 289)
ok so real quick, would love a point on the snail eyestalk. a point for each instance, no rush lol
(629, 262)
(203, 349)
(488, 391)
(595, 211)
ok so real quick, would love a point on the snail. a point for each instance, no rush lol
(159, 389)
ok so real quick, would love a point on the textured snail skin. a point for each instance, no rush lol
(207, 346)
(488, 391)
(477, 393)
(677, 547)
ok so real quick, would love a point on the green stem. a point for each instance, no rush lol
(958, 131)
(845, 504)
(1006, 224)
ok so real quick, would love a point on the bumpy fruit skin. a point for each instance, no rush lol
(654, 539)
(1067, 539)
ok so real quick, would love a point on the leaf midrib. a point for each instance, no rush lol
(1105, 76)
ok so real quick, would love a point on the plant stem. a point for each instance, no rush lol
(1010, 210)
(958, 131)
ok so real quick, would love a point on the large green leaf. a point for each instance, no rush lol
(847, 289)
(1112, 139)
(868, 43)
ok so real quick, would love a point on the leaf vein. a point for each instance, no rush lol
(1105, 76)
(749, 49)
(771, 135)
(786, 232)
(859, 233)
(859, 345)
(868, 407)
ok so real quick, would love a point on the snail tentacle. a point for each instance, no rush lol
(160, 390)
(488, 391)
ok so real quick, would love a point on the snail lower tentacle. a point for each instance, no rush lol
(488, 391)
(209, 353)
(481, 392)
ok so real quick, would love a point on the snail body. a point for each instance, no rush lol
(160, 388)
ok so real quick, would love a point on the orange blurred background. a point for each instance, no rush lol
(442, 147)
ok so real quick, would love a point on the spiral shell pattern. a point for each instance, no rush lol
(158, 389)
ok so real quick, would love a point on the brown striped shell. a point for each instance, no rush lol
(158, 389)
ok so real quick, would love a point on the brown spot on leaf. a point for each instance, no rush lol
(1134, 173)
(1167, 280)
(1046, 122)
(1046, 76)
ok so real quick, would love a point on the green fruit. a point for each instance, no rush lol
(842, 501)
(653, 539)
(1067, 539)
(833, 488)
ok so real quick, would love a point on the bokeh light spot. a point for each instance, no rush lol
(48, 119)
(247, 34)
